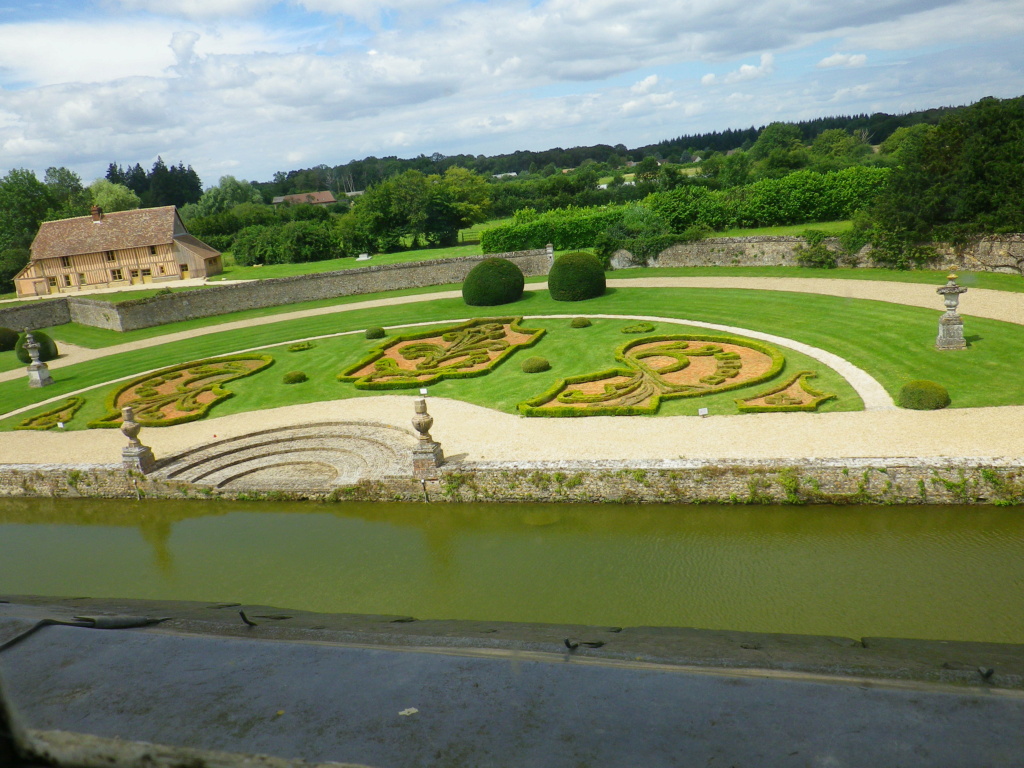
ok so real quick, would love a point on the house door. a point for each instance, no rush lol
(184, 271)
(133, 276)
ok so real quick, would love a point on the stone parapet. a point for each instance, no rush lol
(850, 481)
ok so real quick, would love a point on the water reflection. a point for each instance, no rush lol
(936, 572)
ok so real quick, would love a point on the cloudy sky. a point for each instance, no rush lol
(250, 87)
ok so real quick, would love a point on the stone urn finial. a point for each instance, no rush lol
(951, 325)
(427, 456)
(129, 427)
(38, 372)
(135, 456)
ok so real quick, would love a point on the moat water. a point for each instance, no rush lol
(951, 573)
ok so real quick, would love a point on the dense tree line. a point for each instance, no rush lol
(162, 185)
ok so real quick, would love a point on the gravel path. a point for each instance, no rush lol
(479, 434)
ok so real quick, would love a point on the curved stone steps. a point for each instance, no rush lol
(307, 456)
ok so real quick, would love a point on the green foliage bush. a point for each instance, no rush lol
(493, 281)
(580, 322)
(536, 365)
(564, 228)
(576, 276)
(295, 377)
(641, 327)
(8, 339)
(301, 346)
(375, 332)
(47, 347)
(815, 253)
(921, 395)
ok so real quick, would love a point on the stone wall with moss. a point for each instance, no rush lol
(881, 481)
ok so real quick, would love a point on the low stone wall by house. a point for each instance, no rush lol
(996, 253)
(254, 294)
(851, 481)
(35, 314)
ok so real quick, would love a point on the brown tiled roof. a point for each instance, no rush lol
(197, 246)
(315, 198)
(124, 229)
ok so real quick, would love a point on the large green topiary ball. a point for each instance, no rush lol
(493, 281)
(576, 277)
(8, 339)
(47, 347)
(923, 395)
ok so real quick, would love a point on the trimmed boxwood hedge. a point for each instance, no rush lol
(493, 281)
(295, 377)
(47, 347)
(8, 339)
(375, 332)
(536, 365)
(922, 395)
(49, 419)
(576, 276)
(535, 406)
(817, 398)
(580, 322)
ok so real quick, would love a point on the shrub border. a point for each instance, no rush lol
(72, 403)
(803, 376)
(377, 353)
(220, 394)
(532, 407)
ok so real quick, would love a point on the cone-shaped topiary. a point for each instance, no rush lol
(493, 281)
(920, 395)
(576, 277)
(47, 347)
(8, 338)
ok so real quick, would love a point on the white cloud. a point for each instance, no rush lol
(843, 60)
(745, 72)
(645, 85)
(199, 9)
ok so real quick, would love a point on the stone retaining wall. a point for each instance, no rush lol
(222, 299)
(996, 253)
(854, 481)
(35, 314)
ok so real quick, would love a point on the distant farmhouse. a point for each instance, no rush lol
(310, 198)
(150, 245)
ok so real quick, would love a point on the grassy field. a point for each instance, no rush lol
(891, 342)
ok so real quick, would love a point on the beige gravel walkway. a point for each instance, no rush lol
(480, 434)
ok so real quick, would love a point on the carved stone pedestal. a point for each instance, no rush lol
(138, 458)
(951, 332)
(426, 458)
(39, 375)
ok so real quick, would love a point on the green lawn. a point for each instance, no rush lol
(891, 342)
(832, 227)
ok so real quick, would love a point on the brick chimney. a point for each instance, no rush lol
(97, 214)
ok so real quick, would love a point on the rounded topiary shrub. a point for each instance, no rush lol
(536, 365)
(375, 332)
(295, 377)
(923, 395)
(8, 339)
(493, 281)
(576, 277)
(47, 347)
(580, 322)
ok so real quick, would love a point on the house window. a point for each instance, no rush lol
(116, 274)
(65, 261)
(81, 279)
(162, 270)
(110, 255)
(67, 280)
(147, 273)
(152, 250)
(53, 282)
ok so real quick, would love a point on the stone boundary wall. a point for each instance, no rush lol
(254, 294)
(35, 314)
(996, 253)
(854, 481)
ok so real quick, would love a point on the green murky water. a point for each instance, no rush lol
(953, 573)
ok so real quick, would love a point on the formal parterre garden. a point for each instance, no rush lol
(646, 361)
